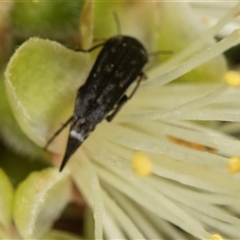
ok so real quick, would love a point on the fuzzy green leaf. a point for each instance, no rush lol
(6, 196)
(41, 79)
(10, 131)
(39, 201)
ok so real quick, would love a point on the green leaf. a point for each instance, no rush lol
(18, 167)
(6, 42)
(10, 131)
(86, 25)
(49, 19)
(39, 201)
(6, 196)
(42, 79)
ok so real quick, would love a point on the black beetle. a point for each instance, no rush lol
(118, 65)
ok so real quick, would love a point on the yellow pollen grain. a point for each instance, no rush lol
(142, 165)
(234, 165)
(215, 237)
(232, 78)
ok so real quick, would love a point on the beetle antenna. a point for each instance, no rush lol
(116, 18)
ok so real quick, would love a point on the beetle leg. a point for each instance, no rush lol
(120, 103)
(125, 98)
(57, 132)
(141, 77)
(90, 49)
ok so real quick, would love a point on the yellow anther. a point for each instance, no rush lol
(192, 145)
(215, 237)
(232, 78)
(234, 165)
(142, 164)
